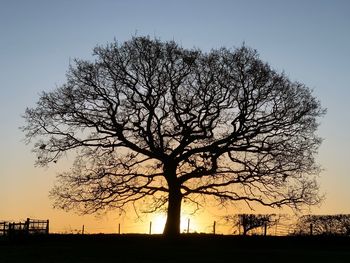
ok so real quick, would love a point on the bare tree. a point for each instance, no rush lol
(249, 222)
(153, 124)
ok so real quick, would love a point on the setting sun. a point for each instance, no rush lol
(158, 223)
(187, 223)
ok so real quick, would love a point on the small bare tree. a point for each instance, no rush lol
(153, 124)
(249, 222)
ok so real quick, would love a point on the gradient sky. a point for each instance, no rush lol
(308, 40)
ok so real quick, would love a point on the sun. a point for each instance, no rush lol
(158, 223)
(187, 223)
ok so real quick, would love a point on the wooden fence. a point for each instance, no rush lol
(29, 227)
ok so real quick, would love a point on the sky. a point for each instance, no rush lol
(309, 40)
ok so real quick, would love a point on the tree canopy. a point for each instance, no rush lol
(152, 124)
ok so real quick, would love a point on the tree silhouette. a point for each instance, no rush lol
(250, 222)
(152, 124)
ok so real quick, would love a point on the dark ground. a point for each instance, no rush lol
(187, 248)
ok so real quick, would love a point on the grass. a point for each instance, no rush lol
(186, 248)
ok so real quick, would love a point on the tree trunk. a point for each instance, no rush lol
(245, 231)
(172, 225)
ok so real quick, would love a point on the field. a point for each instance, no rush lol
(187, 248)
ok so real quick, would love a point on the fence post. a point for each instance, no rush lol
(265, 229)
(82, 230)
(47, 226)
(214, 226)
(26, 226)
(119, 228)
(311, 229)
(3, 228)
(10, 230)
(188, 225)
(150, 227)
(239, 227)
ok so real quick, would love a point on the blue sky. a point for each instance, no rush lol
(308, 40)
